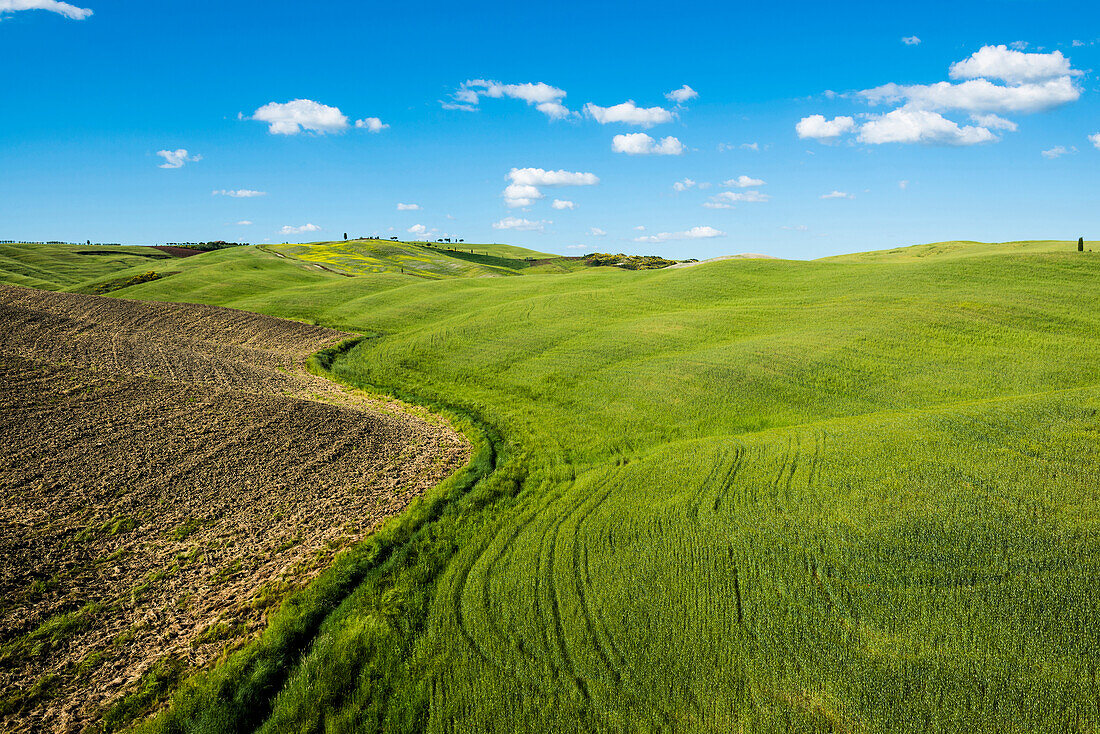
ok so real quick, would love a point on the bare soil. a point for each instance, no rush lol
(168, 474)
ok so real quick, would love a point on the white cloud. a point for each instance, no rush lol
(563, 204)
(796, 228)
(903, 185)
(69, 11)
(978, 95)
(576, 247)
(407, 207)
(177, 158)
(727, 199)
(993, 122)
(819, 128)
(681, 95)
(1058, 151)
(628, 113)
(1014, 67)
(920, 126)
(642, 144)
(419, 230)
(684, 185)
(911, 41)
(691, 234)
(837, 195)
(597, 232)
(288, 229)
(244, 222)
(1020, 45)
(239, 193)
(1095, 140)
(743, 182)
(525, 182)
(522, 225)
(543, 97)
(640, 228)
(371, 124)
(290, 118)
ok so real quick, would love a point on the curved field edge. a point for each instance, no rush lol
(391, 573)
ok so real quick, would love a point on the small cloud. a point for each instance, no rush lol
(576, 247)
(1078, 44)
(642, 144)
(244, 223)
(289, 229)
(903, 185)
(521, 225)
(525, 182)
(684, 185)
(755, 147)
(995, 122)
(743, 182)
(239, 193)
(1095, 140)
(407, 207)
(563, 204)
(727, 199)
(176, 158)
(54, 6)
(1019, 45)
(597, 232)
(911, 41)
(1058, 151)
(640, 228)
(838, 195)
(543, 97)
(628, 113)
(694, 233)
(796, 228)
(681, 95)
(819, 128)
(419, 230)
(371, 124)
(290, 118)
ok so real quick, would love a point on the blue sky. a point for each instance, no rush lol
(982, 134)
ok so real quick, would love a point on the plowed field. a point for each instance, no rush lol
(168, 474)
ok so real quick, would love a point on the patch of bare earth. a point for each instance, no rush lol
(168, 474)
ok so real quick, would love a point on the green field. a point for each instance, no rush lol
(849, 495)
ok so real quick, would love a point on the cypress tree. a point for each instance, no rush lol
(1080, 244)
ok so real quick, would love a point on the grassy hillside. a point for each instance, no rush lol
(941, 250)
(753, 495)
(59, 267)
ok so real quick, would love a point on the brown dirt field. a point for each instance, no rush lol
(169, 474)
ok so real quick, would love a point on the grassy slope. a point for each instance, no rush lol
(767, 495)
(60, 267)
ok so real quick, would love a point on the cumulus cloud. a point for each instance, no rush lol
(995, 80)
(1095, 140)
(837, 195)
(522, 225)
(543, 97)
(597, 232)
(239, 193)
(681, 95)
(290, 118)
(642, 144)
(525, 182)
(979, 95)
(407, 207)
(629, 114)
(177, 158)
(1014, 67)
(911, 41)
(921, 126)
(371, 124)
(1058, 151)
(743, 182)
(563, 204)
(727, 199)
(69, 11)
(819, 128)
(686, 184)
(419, 230)
(244, 222)
(694, 233)
(290, 229)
